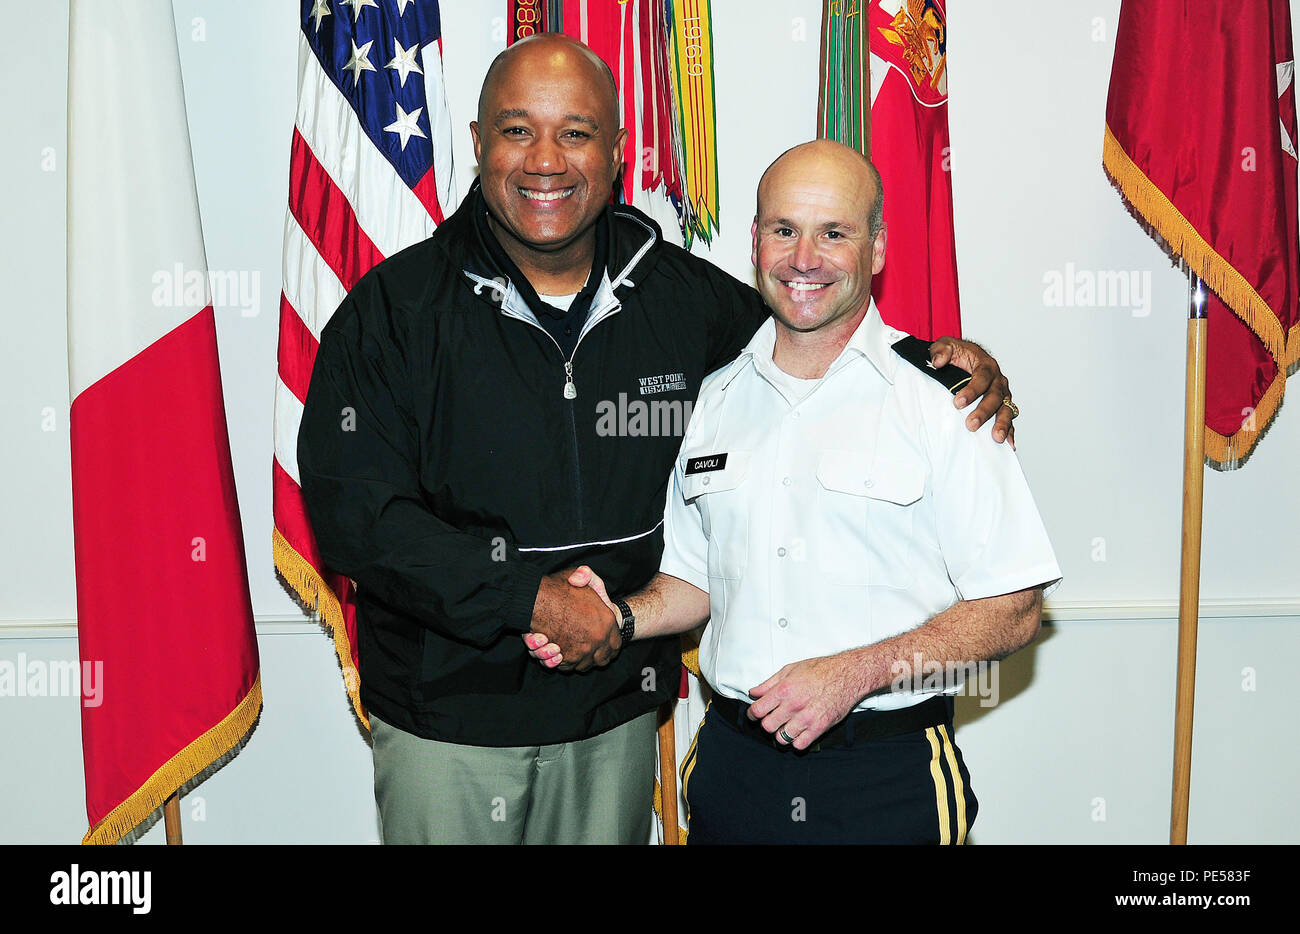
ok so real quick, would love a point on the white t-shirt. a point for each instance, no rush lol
(562, 302)
(794, 387)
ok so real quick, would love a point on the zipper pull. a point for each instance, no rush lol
(570, 390)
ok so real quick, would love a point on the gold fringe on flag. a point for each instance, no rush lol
(200, 758)
(317, 596)
(1158, 215)
(1228, 451)
(691, 662)
(1176, 235)
(659, 813)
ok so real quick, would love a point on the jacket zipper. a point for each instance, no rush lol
(572, 406)
(570, 393)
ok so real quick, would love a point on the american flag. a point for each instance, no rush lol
(369, 174)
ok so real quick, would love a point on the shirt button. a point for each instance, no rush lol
(794, 414)
(780, 552)
(783, 622)
(868, 484)
(706, 481)
(785, 482)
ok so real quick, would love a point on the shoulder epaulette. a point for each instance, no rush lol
(917, 352)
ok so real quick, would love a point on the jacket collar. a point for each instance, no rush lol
(631, 238)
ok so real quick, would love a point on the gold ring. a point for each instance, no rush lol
(1015, 409)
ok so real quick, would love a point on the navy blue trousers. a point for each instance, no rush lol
(912, 788)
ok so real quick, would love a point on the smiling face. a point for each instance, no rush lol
(813, 248)
(548, 145)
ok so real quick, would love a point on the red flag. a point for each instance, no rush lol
(163, 609)
(369, 173)
(917, 290)
(1201, 143)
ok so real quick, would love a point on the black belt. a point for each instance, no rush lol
(860, 727)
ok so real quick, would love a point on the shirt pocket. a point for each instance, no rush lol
(866, 511)
(719, 495)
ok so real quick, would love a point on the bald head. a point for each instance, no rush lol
(824, 157)
(557, 54)
(549, 150)
(818, 239)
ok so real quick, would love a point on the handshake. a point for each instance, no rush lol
(575, 626)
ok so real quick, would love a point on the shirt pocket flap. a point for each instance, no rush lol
(852, 472)
(728, 476)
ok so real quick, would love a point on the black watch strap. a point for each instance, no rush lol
(627, 628)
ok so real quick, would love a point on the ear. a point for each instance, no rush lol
(753, 243)
(478, 143)
(878, 249)
(620, 144)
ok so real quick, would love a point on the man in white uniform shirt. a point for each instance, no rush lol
(835, 522)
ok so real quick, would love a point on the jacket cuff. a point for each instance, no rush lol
(523, 597)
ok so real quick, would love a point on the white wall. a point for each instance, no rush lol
(1086, 712)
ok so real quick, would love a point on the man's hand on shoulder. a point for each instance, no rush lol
(581, 627)
(986, 380)
(803, 700)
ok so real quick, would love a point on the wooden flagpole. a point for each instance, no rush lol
(1190, 578)
(668, 774)
(172, 819)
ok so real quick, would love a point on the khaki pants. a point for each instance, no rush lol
(596, 790)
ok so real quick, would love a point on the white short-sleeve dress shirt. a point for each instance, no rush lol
(825, 515)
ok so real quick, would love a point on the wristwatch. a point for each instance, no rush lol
(628, 626)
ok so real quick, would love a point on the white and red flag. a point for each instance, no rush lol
(370, 172)
(163, 608)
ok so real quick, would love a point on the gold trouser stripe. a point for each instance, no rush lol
(958, 787)
(940, 786)
(688, 763)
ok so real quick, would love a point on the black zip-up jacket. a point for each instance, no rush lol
(445, 470)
